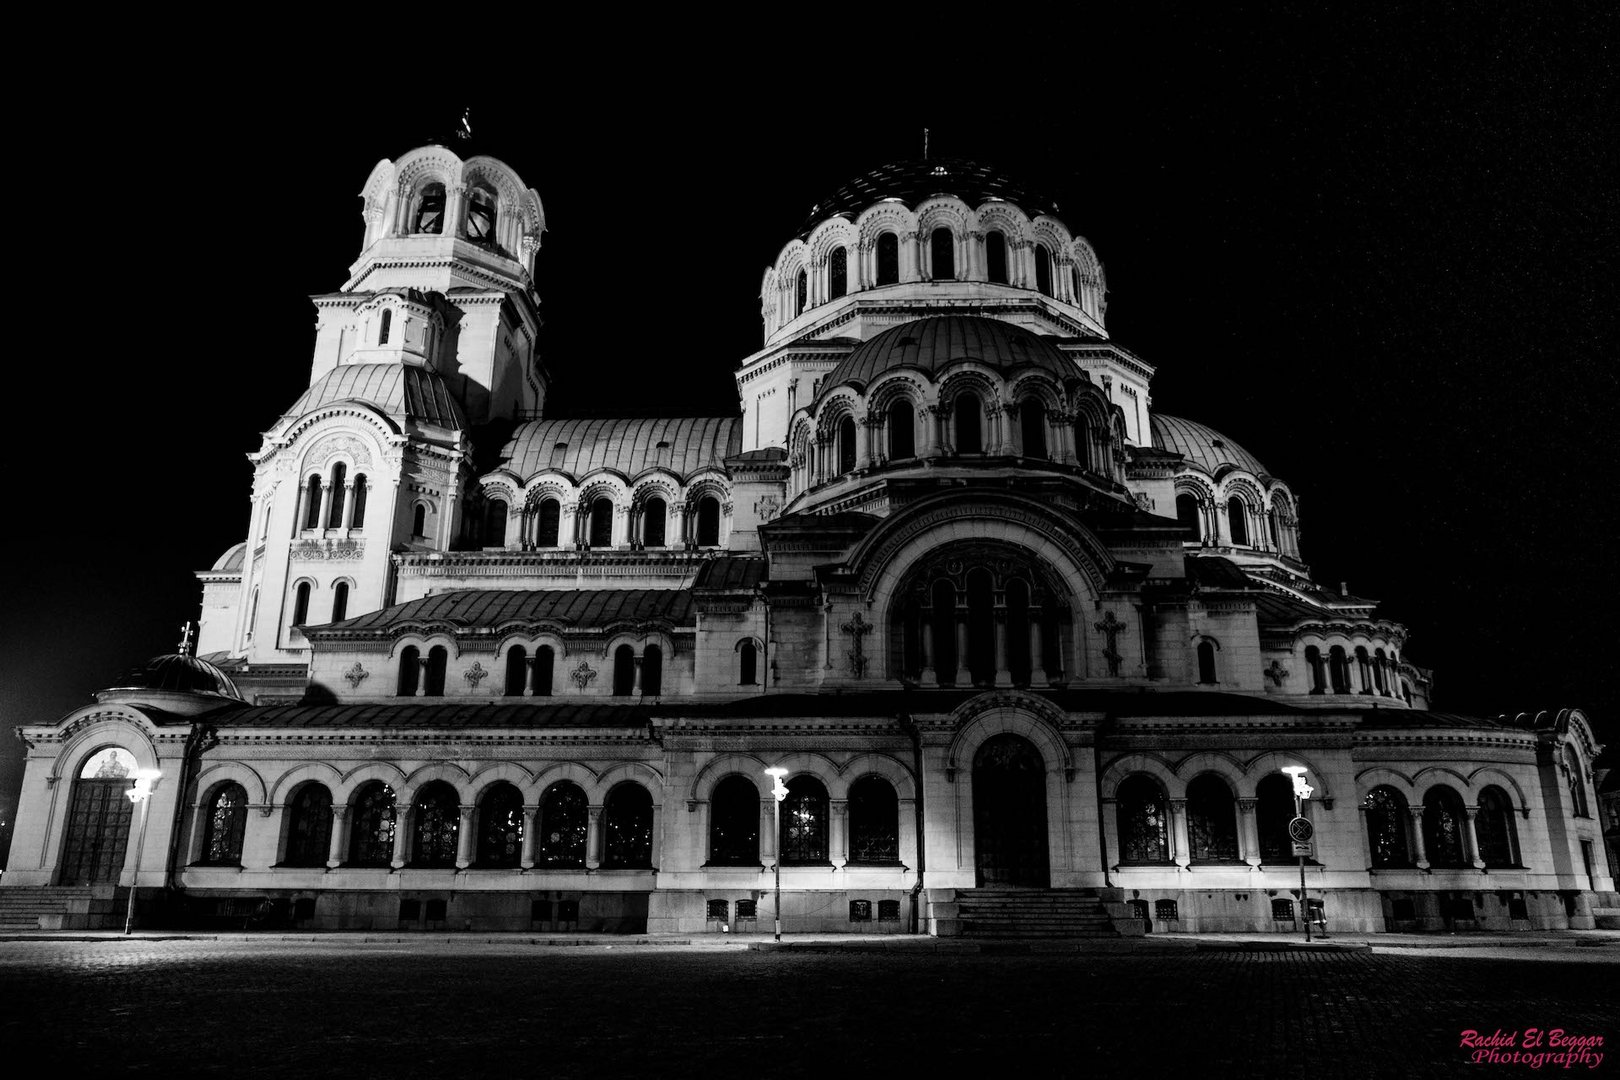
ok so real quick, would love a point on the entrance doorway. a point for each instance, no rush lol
(98, 820)
(1009, 813)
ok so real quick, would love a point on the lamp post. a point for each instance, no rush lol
(140, 795)
(778, 789)
(1301, 830)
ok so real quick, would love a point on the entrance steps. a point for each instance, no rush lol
(1006, 912)
(58, 907)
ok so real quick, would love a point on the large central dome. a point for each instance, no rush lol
(929, 345)
(910, 182)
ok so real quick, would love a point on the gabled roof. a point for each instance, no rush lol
(400, 391)
(468, 608)
(683, 445)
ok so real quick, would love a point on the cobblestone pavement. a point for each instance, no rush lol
(249, 1007)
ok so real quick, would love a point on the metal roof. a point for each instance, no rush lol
(420, 715)
(497, 607)
(231, 561)
(402, 391)
(911, 182)
(732, 572)
(930, 344)
(683, 445)
(1202, 446)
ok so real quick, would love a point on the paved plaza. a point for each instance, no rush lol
(243, 1006)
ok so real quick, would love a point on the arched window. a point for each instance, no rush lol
(708, 522)
(1082, 442)
(1206, 662)
(495, 513)
(1493, 827)
(436, 826)
(1032, 418)
(410, 669)
(801, 292)
(747, 664)
(942, 253)
(1313, 661)
(1338, 670)
(654, 517)
(943, 628)
(1143, 821)
(1237, 520)
(301, 604)
(1187, 514)
(1443, 824)
(902, 431)
(544, 661)
(1274, 809)
(312, 503)
(334, 515)
(563, 826)
(804, 822)
(981, 632)
(419, 521)
(1276, 537)
(385, 326)
(627, 820)
(253, 613)
(438, 660)
(734, 823)
(624, 671)
(1577, 784)
(888, 259)
(1043, 269)
(224, 820)
(517, 670)
(340, 601)
(846, 444)
(371, 825)
(1379, 662)
(1364, 667)
(1017, 636)
(359, 518)
(309, 826)
(430, 210)
(966, 414)
(546, 530)
(874, 821)
(601, 534)
(1211, 820)
(1385, 811)
(995, 257)
(652, 671)
(500, 827)
(837, 273)
(480, 228)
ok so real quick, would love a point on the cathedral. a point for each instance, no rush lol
(938, 628)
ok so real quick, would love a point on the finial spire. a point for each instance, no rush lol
(925, 144)
(185, 639)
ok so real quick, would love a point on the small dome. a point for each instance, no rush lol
(179, 674)
(1202, 446)
(929, 345)
(401, 391)
(910, 182)
(231, 561)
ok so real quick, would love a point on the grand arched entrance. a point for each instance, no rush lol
(98, 820)
(1009, 813)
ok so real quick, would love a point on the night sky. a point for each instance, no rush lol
(1379, 257)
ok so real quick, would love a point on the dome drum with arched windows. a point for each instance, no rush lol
(510, 671)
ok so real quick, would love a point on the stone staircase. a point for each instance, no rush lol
(1037, 913)
(58, 907)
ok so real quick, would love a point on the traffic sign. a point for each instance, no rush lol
(1300, 830)
(1305, 848)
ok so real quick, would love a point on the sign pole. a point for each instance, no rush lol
(1304, 898)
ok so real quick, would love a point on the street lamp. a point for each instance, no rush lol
(779, 789)
(1300, 830)
(140, 795)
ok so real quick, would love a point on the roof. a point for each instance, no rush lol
(439, 716)
(931, 344)
(630, 446)
(911, 182)
(497, 607)
(231, 561)
(401, 391)
(732, 572)
(1202, 446)
(180, 674)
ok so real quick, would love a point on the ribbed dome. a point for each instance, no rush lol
(231, 561)
(1202, 446)
(401, 391)
(180, 674)
(911, 182)
(929, 345)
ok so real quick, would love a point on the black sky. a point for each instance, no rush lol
(1380, 256)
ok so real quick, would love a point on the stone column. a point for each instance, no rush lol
(1012, 437)
(931, 439)
(1471, 840)
(635, 676)
(1366, 836)
(962, 677)
(593, 837)
(1178, 830)
(838, 832)
(340, 834)
(974, 263)
(301, 508)
(910, 257)
(657, 836)
(528, 675)
(927, 676)
(404, 817)
(348, 506)
(466, 833)
(326, 506)
(1420, 853)
(531, 829)
(1037, 650)
(421, 676)
(1003, 675)
(1249, 831)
